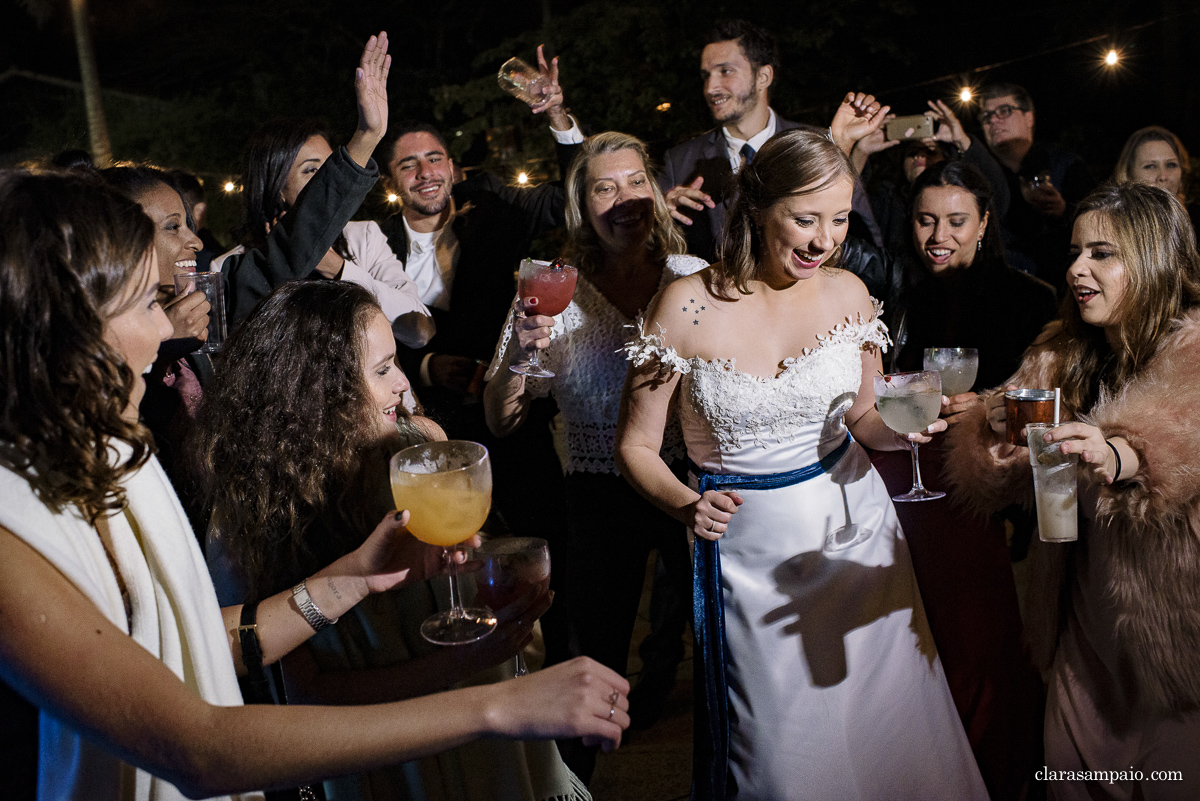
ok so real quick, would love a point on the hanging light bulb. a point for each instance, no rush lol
(1112, 57)
(523, 178)
(965, 95)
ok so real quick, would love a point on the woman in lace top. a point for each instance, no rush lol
(626, 248)
(821, 678)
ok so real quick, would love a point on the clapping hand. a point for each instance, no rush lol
(370, 89)
(858, 116)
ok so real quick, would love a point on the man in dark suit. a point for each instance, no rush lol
(738, 65)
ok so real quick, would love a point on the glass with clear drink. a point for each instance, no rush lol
(1055, 486)
(522, 81)
(909, 403)
(957, 367)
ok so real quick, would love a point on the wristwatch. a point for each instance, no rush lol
(312, 613)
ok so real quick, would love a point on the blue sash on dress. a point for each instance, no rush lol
(710, 752)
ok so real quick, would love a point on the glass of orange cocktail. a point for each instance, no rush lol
(447, 489)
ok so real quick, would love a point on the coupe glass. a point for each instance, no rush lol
(553, 284)
(909, 403)
(522, 81)
(510, 566)
(957, 366)
(447, 489)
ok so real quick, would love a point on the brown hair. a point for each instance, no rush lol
(583, 245)
(1155, 241)
(69, 248)
(792, 163)
(282, 439)
(1126, 164)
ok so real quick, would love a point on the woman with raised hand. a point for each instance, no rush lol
(304, 242)
(821, 679)
(112, 627)
(1115, 617)
(281, 158)
(293, 442)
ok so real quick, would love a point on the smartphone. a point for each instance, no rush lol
(914, 126)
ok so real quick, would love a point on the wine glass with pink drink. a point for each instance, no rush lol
(550, 286)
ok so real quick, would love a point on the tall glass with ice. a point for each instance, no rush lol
(1055, 486)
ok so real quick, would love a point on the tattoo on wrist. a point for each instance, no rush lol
(332, 587)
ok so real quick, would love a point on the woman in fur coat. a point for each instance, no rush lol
(1117, 613)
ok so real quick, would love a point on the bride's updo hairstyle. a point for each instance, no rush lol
(69, 247)
(791, 163)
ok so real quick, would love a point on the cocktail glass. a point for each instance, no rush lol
(553, 286)
(447, 489)
(909, 403)
(522, 81)
(510, 567)
(957, 366)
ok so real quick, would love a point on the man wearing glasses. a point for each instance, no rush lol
(1045, 183)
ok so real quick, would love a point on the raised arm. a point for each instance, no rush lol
(298, 243)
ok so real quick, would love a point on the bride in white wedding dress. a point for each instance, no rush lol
(821, 679)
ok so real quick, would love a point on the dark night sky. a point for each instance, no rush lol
(254, 60)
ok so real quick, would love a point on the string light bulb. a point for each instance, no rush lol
(965, 95)
(393, 197)
(523, 178)
(1111, 58)
(230, 186)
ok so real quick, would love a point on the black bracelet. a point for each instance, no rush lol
(1117, 475)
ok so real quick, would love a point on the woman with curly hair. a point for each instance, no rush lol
(294, 443)
(1115, 617)
(626, 248)
(111, 624)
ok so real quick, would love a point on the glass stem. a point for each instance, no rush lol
(917, 485)
(456, 608)
(533, 359)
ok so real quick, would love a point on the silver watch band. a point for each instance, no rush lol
(312, 613)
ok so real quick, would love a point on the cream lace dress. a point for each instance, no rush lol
(835, 687)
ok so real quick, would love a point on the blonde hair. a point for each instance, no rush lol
(1127, 164)
(583, 249)
(1157, 245)
(791, 164)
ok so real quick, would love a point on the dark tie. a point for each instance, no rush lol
(747, 152)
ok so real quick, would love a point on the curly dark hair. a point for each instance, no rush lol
(69, 249)
(283, 437)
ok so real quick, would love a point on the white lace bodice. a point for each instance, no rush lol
(586, 355)
(724, 410)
